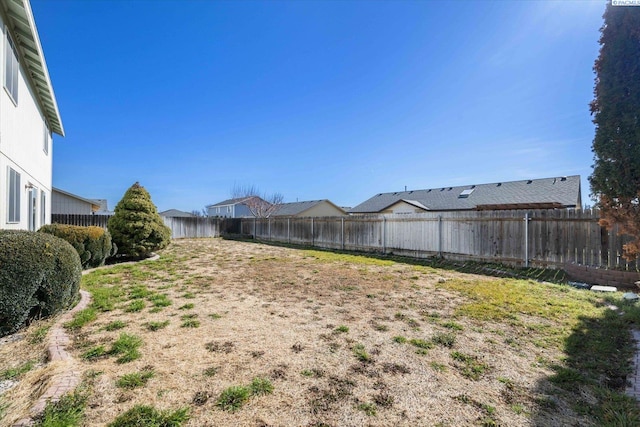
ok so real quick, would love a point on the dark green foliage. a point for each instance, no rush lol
(39, 276)
(93, 244)
(148, 416)
(615, 180)
(67, 412)
(136, 228)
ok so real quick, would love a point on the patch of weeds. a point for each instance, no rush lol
(368, 408)
(384, 400)
(190, 323)
(154, 326)
(81, 318)
(189, 295)
(232, 398)
(438, 367)
(200, 398)
(127, 347)
(567, 378)
(408, 320)
(94, 353)
(421, 344)
(188, 306)
(39, 334)
(135, 379)
(148, 416)
(219, 347)
(210, 371)
(297, 347)
(188, 316)
(315, 372)
(361, 354)
(160, 300)
(3, 408)
(342, 329)
(400, 339)
(18, 371)
(215, 316)
(66, 412)
(445, 340)
(261, 386)
(139, 291)
(395, 368)
(452, 325)
(115, 325)
(469, 366)
(486, 409)
(105, 298)
(134, 306)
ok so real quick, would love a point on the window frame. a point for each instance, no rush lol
(13, 196)
(11, 65)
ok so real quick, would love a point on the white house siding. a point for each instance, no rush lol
(63, 204)
(22, 146)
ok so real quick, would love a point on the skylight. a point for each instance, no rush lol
(466, 193)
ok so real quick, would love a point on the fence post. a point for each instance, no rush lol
(269, 227)
(312, 237)
(288, 230)
(384, 234)
(342, 233)
(254, 227)
(526, 239)
(440, 236)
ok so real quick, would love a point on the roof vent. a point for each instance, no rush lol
(442, 189)
(450, 188)
(529, 182)
(564, 178)
(429, 191)
(499, 184)
(465, 193)
(473, 186)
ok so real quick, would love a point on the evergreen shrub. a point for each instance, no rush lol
(136, 227)
(93, 244)
(39, 276)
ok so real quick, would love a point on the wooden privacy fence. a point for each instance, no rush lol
(81, 219)
(536, 238)
(526, 238)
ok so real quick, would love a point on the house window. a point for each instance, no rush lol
(14, 197)
(43, 208)
(11, 68)
(45, 146)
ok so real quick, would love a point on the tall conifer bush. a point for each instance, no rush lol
(136, 227)
(615, 180)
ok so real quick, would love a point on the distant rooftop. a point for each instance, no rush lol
(544, 193)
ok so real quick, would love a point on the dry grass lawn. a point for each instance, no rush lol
(344, 340)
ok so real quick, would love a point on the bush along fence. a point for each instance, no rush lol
(536, 238)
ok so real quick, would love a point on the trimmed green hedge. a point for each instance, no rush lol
(39, 276)
(93, 244)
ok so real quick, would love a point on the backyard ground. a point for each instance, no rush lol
(230, 333)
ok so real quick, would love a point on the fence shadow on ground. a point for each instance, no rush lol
(592, 380)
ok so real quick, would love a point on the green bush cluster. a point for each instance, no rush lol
(136, 227)
(93, 244)
(39, 276)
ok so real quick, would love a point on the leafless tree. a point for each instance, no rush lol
(261, 205)
(199, 213)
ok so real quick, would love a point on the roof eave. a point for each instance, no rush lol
(23, 27)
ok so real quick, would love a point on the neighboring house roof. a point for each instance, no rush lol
(545, 193)
(298, 208)
(176, 213)
(228, 202)
(95, 204)
(27, 42)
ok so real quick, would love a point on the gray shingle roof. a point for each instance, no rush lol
(230, 201)
(545, 192)
(295, 208)
(176, 213)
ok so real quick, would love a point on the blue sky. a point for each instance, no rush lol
(334, 100)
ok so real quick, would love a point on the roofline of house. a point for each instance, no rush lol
(23, 28)
(66, 193)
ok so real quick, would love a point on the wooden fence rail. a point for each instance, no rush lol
(537, 237)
